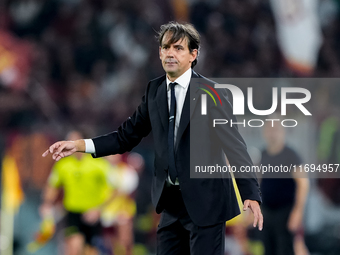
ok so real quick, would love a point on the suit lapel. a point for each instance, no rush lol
(188, 108)
(162, 104)
(195, 93)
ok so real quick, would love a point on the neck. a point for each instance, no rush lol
(172, 79)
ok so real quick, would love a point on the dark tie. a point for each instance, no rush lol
(171, 134)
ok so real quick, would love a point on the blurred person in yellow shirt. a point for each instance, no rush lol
(87, 190)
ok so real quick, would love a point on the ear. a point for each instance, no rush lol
(193, 55)
(160, 52)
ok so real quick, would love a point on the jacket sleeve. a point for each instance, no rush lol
(128, 135)
(235, 149)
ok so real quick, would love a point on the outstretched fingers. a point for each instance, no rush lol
(59, 150)
(46, 153)
(51, 149)
(255, 208)
(59, 155)
(246, 205)
(258, 218)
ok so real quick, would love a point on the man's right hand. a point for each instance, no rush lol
(63, 149)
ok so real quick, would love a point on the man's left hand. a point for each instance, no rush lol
(255, 208)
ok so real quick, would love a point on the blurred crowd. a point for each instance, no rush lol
(89, 62)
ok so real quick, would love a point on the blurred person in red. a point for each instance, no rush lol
(120, 212)
(284, 197)
(87, 190)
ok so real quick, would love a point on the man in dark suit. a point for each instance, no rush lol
(194, 210)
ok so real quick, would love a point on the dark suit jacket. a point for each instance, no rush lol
(208, 201)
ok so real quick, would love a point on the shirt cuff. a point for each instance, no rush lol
(89, 146)
(170, 181)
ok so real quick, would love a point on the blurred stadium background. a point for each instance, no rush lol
(66, 64)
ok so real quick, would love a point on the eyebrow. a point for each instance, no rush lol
(175, 45)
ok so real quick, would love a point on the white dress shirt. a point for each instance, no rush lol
(180, 92)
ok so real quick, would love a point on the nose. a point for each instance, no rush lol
(169, 52)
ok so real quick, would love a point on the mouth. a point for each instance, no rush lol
(170, 62)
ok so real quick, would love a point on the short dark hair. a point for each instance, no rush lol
(181, 31)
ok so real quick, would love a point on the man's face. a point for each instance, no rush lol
(176, 58)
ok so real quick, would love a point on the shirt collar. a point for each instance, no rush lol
(183, 80)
